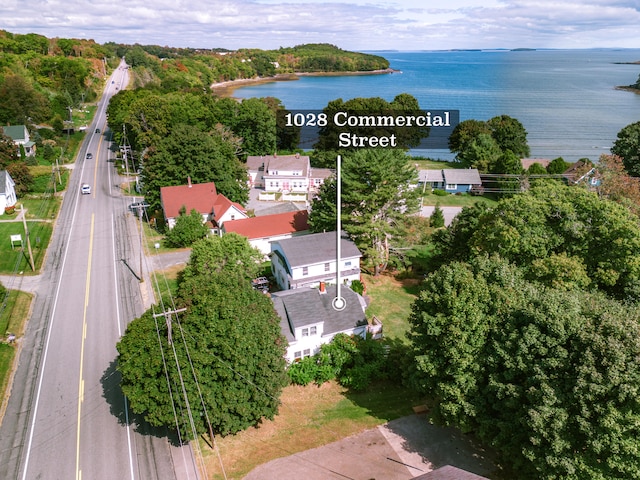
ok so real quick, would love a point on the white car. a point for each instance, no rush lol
(85, 189)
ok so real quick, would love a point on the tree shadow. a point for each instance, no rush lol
(440, 445)
(112, 393)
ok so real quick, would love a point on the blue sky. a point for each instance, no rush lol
(353, 25)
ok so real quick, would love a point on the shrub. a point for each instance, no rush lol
(358, 287)
(440, 193)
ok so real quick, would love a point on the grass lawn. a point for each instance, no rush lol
(16, 260)
(391, 301)
(12, 319)
(309, 417)
(456, 200)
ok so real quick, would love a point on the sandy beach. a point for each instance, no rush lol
(226, 89)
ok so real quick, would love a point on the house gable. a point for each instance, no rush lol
(8, 197)
(310, 259)
(308, 319)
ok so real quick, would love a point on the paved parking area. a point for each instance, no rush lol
(399, 450)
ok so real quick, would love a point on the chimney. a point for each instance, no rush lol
(323, 290)
(189, 181)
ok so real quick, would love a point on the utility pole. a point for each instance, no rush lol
(26, 233)
(167, 318)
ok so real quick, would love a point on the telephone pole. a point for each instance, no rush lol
(26, 233)
(167, 318)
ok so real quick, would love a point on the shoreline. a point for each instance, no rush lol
(226, 89)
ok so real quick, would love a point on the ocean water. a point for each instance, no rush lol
(566, 99)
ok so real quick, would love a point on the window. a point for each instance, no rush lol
(305, 332)
(451, 186)
(305, 270)
(306, 352)
(313, 330)
(327, 267)
(347, 264)
(297, 355)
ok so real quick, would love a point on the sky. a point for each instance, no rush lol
(359, 25)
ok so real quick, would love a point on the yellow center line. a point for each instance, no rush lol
(84, 336)
(95, 170)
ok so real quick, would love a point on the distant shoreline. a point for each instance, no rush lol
(226, 89)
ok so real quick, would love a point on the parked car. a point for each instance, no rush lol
(85, 189)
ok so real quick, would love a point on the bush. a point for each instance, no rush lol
(358, 287)
(440, 193)
(187, 230)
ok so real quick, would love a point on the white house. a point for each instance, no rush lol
(310, 259)
(20, 136)
(8, 196)
(214, 207)
(261, 231)
(308, 319)
(286, 174)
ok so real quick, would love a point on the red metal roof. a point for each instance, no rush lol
(269, 225)
(200, 196)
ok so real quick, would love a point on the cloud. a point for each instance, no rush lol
(358, 25)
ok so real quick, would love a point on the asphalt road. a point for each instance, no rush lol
(66, 417)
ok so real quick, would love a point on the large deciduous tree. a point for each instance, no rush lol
(549, 377)
(478, 144)
(225, 359)
(551, 220)
(627, 146)
(376, 195)
(204, 156)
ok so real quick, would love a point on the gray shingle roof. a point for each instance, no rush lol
(306, 306)
(467, 176)
(315, 248)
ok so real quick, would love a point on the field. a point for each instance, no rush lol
(13, 316)
(309, 417)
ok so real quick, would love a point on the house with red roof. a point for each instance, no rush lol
(215, 208)
(261, 231)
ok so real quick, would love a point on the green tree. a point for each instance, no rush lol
(230, 254)
(627, 146)
(226, 352)
(255, 123)
(402, 104)
(482, 152)
(464, 133)
(509, 134)
(187, 230)
(376, 195)
(548, 377)
(536, 169)
(553, 219)
(557, 166)
(437, 217)
(205, 157)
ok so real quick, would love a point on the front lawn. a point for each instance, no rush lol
(14, 260)
(391, 301)
(309, 417)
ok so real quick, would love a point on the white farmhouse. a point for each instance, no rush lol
(307, 260)
(308, 319)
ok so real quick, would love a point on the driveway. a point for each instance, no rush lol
(449, 212)
(399, 450)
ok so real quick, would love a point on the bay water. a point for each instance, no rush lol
(566, 99)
